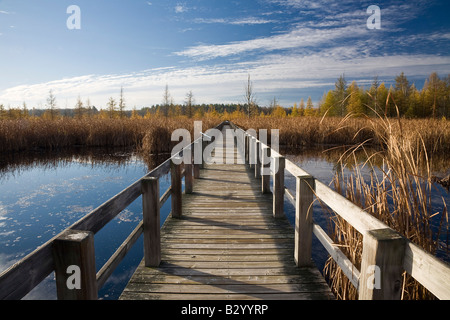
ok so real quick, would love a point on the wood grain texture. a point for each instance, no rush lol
(227, 245)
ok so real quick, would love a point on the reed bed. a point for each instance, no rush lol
(145, 135)
(153, 135)
(311, 131)
(399, 193)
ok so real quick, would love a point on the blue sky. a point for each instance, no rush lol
(291, 48)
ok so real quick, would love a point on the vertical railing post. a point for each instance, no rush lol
(74, 258)
(257, 159)
(151, 220)
(204, 145)
(247, 149)
(265, 163)
(197, 148)
(304, 220)
(382, 265)
(252, 152)
(188, 175)
(175, 170)
(278, 187)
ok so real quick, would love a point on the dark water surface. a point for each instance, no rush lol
(43, 194)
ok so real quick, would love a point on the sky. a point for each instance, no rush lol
(292, 49)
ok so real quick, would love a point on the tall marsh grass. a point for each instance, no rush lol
(399, 193)
(146, 135)
(311, 131)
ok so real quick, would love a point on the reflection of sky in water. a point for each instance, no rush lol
(38, 203)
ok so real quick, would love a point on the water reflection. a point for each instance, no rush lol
(43, 194)
(15, 163)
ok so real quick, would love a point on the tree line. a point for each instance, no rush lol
(401, 99)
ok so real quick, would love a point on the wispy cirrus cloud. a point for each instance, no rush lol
(231, 21)
(297, 38)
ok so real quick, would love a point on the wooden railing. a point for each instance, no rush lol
(73, 249)
(386, 254)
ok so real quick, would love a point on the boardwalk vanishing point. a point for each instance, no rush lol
(227, 245)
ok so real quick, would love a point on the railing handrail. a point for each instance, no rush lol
(428, 270)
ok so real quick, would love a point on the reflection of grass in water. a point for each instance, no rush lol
(399, 195)
(14, 164)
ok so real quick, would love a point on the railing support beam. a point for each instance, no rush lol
(265, 170)
(304, 220)
(74, 258)
(278, 187)
(151, 220)
(175, 170)
(382, 265)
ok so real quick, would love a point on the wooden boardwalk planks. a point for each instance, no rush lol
(227, 245)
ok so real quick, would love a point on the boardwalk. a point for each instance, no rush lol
(227, 245)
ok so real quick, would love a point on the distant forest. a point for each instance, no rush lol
(400, 99)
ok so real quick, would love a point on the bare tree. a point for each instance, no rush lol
(167, 101)
(79, 108)
(51, 105)
(249, 96)
(190, 104)
(121, 104)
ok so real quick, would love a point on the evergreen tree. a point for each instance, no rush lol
(401, 93)
(111, 107)
(329, 105)
(355, 100)
(309, 111)
(294, 112)
(382, 95)
(340, 93)
(301, 108)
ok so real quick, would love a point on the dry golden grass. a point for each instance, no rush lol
(147, 135)
(310, 131)
(398, 193)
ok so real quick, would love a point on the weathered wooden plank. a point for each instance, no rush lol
(216, 280)
(220, 297)
(237, 288)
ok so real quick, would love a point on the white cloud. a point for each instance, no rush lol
(180, 8)
(297, 38)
